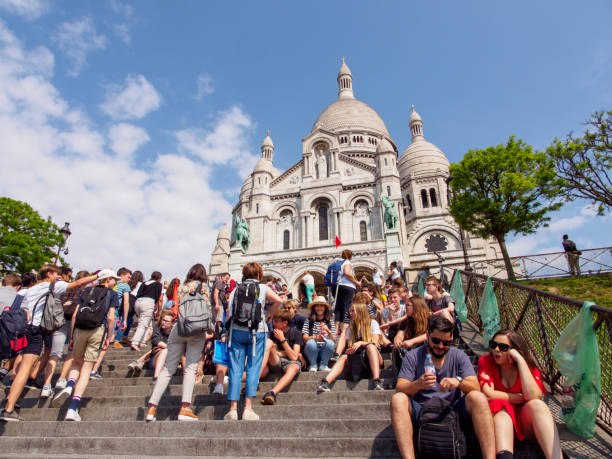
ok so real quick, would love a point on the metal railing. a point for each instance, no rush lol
(554, 264)
(540, 317)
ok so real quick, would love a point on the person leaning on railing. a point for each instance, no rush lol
(513, 385)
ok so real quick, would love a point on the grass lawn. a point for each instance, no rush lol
(586, 288)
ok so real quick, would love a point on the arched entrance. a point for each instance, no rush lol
(363, 271)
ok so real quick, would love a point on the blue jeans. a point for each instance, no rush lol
(241, 349)
(122, 333)
(319, 351)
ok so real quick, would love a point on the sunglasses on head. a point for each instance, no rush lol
(502, 346)
(444, 342)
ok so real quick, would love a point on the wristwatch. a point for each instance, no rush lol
(459, 378)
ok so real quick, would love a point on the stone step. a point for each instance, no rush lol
(279, 411)
(289, 398)
(195, 446)
(348, 428)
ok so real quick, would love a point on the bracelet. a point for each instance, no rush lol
(283, 341)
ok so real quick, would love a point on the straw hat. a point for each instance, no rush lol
(319, 300)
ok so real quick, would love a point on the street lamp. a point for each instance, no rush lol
(65, 232)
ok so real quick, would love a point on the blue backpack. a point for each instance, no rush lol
(333, 273)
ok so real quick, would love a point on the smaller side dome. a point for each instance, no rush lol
(264, 165)
(384, 146)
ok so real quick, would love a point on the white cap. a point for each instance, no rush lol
(106, 273)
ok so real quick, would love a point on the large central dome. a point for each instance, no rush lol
(348, 113)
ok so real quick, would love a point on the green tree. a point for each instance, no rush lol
(584, 163)
(503, 189)
(27, 240)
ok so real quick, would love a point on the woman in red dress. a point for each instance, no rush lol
(513, 385)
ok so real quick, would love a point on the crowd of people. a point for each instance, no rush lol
(255, 329)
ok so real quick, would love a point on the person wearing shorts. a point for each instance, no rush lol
(347, 287)
(283, 354)
(87, 344)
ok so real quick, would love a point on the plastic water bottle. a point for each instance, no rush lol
(568, 400)
(430, 368)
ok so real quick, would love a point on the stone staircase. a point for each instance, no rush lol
(351, 421)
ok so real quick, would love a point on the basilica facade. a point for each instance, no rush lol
(288, 221)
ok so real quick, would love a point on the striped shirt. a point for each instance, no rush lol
(316, 327)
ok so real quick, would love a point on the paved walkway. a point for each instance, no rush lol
(599, 446)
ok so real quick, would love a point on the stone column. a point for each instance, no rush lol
(304, 227)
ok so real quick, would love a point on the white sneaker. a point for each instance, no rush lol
(250, 415)
(226, 380)
(73, 415)
(60, 384)
(218, 389)
(325, 368)
(46, 391)
(313, 369)
(60, 398)
(231, 415)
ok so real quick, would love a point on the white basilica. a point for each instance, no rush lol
(349, 161)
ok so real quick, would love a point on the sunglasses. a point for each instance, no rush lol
(502, 347)
(445, 343)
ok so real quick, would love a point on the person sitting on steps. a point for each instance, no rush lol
(513, 385)
(362, 332)
(284, 354)
(159, 346)
(319, 335)
(454, 376)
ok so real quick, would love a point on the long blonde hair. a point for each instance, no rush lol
(360, 325)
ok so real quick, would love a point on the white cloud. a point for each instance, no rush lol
(127, 138)
(28, 9)
(204, 85)
(122, 29)
(136, 99)
(76, 40)
(225, 143)
(123, 32)
(122, 8)
(164, 217)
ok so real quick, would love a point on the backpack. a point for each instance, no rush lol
(358, 365)
(53, 314)
(92, 308)
(333, 273)
(246, 307)
(194, 314)
(13, 327)
(439, 432)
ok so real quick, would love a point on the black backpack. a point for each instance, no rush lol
(13, 327)
(439, 434)
(93, 308)
(358, 365)
(246, 307)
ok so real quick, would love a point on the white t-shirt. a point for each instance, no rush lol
(308, 279)
(377, 277)
(395, 274)
(388, 315)
(343, 280)
(262, 328)
(373, 326)
(35, 298)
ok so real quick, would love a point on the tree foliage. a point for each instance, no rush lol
(27, 240)
(584, 163)
(503, 189)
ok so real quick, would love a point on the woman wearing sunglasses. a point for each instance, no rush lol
(513, 385)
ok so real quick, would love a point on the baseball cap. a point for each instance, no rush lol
(106, 273)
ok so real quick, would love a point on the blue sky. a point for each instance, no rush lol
(137, 121)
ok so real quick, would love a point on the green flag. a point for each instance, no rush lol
(421, 288)
(458, 296)
(489, 312)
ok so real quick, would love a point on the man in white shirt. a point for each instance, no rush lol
(377, 277)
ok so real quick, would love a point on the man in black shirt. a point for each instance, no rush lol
(572, 254)
(283, 354)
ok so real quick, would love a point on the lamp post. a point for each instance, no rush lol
(65, 231)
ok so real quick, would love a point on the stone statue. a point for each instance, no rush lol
(390, 212)
(322, 164)
(242, 234)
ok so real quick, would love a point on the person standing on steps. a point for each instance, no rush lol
(123, 292)
(453, 380)
(91, 325)
(191, 346)
(309, 284)
(572, 254)
(347, 287)
(33, 303)
(147, 307)
(247, 333)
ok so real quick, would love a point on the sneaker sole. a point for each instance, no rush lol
(10, 419)
(58, 401)
(319, 390)
(151, 419)
(187, 418)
